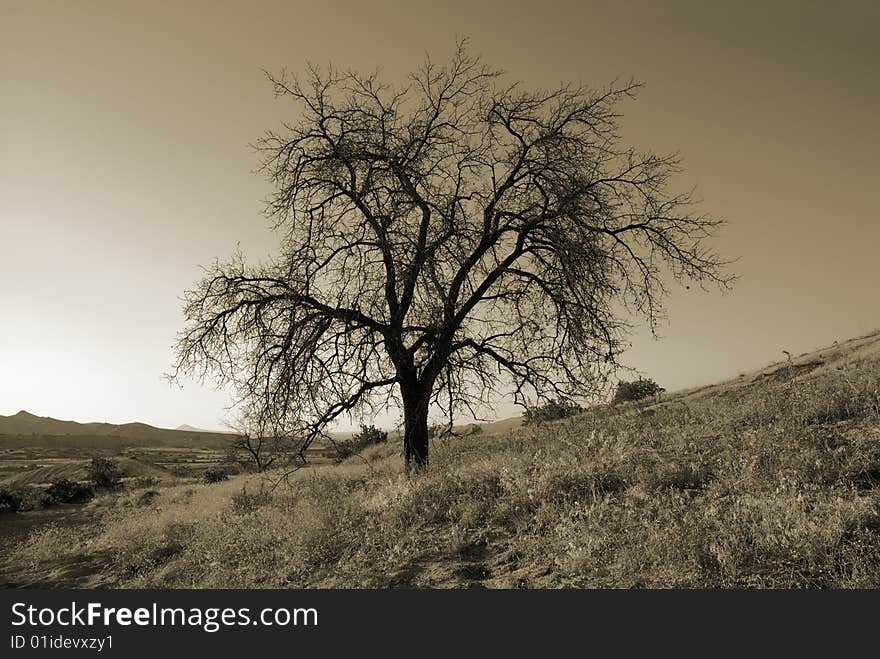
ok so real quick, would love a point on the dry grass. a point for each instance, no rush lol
(762, 482)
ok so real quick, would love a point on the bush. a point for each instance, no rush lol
(67, 491)
(636, 390)
(370, 435)
(19, 498)
(345, 450)
(554, 409)
(105, 474)
(10, 502)
(215, 475)
(147, 497)
(246, 502)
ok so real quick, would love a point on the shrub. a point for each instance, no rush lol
(370, 435)
(345, 450)
(247, 502)
(215, 475)
(67, 491)
(105, 474)
(10, 502)
(19, 498)
(147, 497)
(636, 390)
(550, 411)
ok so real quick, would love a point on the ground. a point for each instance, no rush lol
(768, 480)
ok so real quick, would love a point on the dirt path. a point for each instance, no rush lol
(80, 572)
(488, 562)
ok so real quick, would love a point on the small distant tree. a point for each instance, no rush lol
(105, 474)
(232, 457)
(636, 390)
(261, 445)
(550, 411)
(261, 452)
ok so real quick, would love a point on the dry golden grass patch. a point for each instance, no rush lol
(769, 482)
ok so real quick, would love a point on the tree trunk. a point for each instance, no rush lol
(415, 428)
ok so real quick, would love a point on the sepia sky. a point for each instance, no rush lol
(124, 165)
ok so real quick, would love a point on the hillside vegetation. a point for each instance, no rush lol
(770, 480)
(78, 470)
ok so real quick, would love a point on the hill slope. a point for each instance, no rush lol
(769, 480)
(25, 423)
(28, 429)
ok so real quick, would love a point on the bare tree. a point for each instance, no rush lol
(260, 442)
(442, 242)
(261, 451)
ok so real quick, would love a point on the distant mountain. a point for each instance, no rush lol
(26, 429)
(27, 424)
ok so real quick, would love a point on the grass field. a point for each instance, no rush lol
(768, 480)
